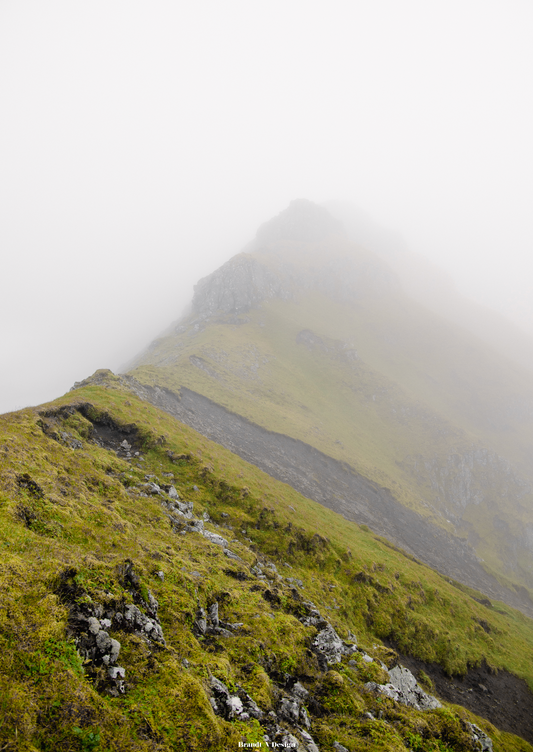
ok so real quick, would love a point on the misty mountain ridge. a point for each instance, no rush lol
(312, 336)
(302, 517)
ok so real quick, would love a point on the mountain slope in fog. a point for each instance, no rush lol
(310, 335)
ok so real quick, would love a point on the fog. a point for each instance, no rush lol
(142, 143)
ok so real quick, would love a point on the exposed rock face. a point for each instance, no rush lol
(246, 280)
(302, 221)
(404, 688)
(239, 285)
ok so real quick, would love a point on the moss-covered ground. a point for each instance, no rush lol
(71, 508)
(411, 402)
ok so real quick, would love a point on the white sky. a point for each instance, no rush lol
(143, 141)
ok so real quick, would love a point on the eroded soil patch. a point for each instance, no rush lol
(500, 697)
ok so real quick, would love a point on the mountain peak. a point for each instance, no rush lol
(302, 221)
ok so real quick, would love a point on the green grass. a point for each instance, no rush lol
(424, 409)
(88, 516)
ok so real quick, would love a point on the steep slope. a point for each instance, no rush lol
(310, 336)
(159, 593)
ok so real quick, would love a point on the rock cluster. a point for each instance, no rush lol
(209, 623)
(404, 688)
(289, 724)
(90, 623)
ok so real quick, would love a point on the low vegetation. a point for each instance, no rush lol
(80, 531)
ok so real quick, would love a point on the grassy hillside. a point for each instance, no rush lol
(375, 380)
(84, 535)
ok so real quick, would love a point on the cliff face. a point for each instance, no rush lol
(302, 249)
(309, 336)
(239, 285)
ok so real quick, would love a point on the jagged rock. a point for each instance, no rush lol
(132, 618)
(213, 614)
(313, 617)
(215, 538)
(200, 622)
(404, 688)
(304, 718)
(151, 488)
(232, 555)
(173, 493)
(108, 647)
(309, 742)
(231, 706)
(237, 286)
(234, 707)
(116, 672)
(330, 647)
(300, 692)
(480, 738)
(196, 526)
(338, 747)
(289, 710)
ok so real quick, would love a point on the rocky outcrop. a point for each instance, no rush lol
(90, 624)
(236, 287)
(404, 688)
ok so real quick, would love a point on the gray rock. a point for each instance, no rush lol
(94, 625)
(403, 688)
(215, 538)
(200, 622)
(312, 617)
(231, 555)
(196, 526)
(480, 738)
(213, 614)
(103, 642)
(304, 718)
(234, 707)
(116, 672)
(115, 650)
(173, 493)
(289, 710)
(309, 742)
(300, 692)
(329, 644)
(338, 747)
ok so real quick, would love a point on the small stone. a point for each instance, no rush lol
(103, 641)
(116, 672)
(94, 625)
(300, 692)
(338, 747)
(215, 538)
(233, 707)
(115, 650)
(231, 555)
